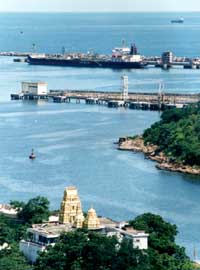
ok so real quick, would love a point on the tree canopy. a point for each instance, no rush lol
(164, 253)
(177, 134)
(12, 259)
(35, 210)
(11, 232)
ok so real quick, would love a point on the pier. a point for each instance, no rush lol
(135, 100)
(122, 98)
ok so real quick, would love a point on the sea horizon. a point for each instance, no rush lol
(108, 11)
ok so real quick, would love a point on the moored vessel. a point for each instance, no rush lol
(121, 58)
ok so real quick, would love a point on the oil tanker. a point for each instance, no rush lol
(121, 58)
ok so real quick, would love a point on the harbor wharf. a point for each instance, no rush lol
(135, 100)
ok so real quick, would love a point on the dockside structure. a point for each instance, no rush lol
(123, 98)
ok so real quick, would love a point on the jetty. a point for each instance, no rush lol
(133, 100)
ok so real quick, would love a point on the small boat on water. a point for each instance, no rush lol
(32, 155)
(180, 20)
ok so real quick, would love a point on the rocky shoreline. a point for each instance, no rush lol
(136, 144)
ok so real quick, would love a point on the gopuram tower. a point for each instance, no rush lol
(71, 210)
(92, 221)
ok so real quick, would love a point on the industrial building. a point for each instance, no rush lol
(34, 88)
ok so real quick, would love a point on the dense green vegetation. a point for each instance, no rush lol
(12, 259)
(10, 230)
(177, 134)
(83, 250)
(163, 252)
(35, 210)
(13, 230)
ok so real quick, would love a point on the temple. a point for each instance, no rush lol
(71, 210)
(92, 221)
(71, 218)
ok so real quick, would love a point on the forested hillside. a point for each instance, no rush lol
(177, 135)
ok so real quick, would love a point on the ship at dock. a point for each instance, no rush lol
(121, 58)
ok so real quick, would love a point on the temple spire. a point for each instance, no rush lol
(92, 221)
(71, 210)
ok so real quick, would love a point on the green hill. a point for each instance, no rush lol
(177, 134)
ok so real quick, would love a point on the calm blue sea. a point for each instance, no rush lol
(74, 143)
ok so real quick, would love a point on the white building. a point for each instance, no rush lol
(39, 237)
(123, 231)
(34, 88)
(8, 210)
(42, 235)
(139, 238)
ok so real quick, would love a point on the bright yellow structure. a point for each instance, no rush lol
(92, 221)
(71, 210)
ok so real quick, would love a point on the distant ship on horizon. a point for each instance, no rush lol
(179, 20)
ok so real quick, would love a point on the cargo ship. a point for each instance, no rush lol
(121, 58)
(180, 20)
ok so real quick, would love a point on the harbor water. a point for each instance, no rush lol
(74, 143)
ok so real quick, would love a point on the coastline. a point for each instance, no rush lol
(136, 144)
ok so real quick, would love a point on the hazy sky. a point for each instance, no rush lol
(100, 5)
